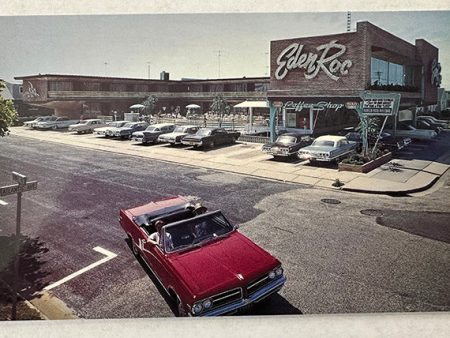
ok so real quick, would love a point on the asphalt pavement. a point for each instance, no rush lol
(342, 252)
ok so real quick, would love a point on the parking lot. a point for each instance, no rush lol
(359, 254)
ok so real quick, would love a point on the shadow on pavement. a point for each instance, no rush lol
(31, 265)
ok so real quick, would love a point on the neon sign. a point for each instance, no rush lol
(293, 58)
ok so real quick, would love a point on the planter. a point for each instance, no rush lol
(366, 167)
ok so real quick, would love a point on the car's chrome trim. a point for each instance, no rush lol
(259, 295)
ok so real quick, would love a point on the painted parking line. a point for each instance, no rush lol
(109, 255)
(3, 202)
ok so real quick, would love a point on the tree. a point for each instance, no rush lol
(150, 104)
(7, 113)
(220, 107)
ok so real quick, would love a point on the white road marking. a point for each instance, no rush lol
(3, 202)
(109, 255)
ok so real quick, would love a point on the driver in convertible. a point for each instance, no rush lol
(156, 236)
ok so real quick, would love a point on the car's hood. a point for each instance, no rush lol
(103, 128)
(216, 266)
(78, 125)
(138, 133)
(174, 134)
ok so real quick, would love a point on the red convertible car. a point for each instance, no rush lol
(204, 264)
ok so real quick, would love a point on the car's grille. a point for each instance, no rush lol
(257, 284)
(226, 297)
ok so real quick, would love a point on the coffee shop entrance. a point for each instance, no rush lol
(316, 116)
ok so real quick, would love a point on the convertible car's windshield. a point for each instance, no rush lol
(204, 132)
(195, 231)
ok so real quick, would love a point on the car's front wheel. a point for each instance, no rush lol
(181, 311)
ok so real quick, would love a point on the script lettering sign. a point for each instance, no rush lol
(293, 57)
(322, 105)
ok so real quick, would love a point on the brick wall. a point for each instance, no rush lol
(368, 40)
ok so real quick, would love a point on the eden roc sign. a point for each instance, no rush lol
(326, 60)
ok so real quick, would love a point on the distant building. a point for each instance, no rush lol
(74, 95)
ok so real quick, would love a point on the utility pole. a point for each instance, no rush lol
(106, 67)
(267, 63)
(148, 69)
(219, 54)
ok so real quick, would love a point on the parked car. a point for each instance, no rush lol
(202, 261)
(425, 124)
(210, 137)
(103, 131)
(431, 119)
(287, 145)
(58, 123)
(32, 124)
(407, 130)
(327, 148)
(178, 134)
(387, 141)
(87, 126)
(127, 129)
(151, 134)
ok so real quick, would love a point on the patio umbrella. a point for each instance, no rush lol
(137, 106)
(192, 106)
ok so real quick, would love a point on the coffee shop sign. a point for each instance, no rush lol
(292, 57)
(322, 105)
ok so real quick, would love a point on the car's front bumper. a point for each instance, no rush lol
(192, 143)
(256, 297)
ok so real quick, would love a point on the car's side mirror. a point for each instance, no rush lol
(236, 226)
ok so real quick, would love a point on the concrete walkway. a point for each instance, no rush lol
(247, 159)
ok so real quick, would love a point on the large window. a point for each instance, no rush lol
(60, 86)
(386, 73)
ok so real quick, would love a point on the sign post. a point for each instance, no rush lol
(18, 188)
(376, 104)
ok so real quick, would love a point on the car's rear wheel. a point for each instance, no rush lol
(212, 144)
(134, 247)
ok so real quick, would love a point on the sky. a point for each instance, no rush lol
(186, 45)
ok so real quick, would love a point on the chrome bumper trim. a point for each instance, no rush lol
(254, 298)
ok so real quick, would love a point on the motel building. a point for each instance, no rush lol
(316, 82)
(314, 86)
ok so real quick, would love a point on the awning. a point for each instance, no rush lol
(252, 104)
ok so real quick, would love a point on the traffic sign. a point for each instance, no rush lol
(15, 188)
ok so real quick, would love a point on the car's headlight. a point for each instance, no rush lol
(197, 308)
(279, 271)
(272, 274)
(207, 304)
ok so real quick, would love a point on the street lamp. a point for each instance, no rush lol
(148, 69)
(106, 66)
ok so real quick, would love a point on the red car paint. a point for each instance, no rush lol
(223, 264)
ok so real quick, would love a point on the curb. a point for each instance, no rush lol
(390, 193)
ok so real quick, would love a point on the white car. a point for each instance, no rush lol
(414, 133)
(327, 148)
(59, 122)
(32, 124)
(103, 131)
(177, 135)
(87, 126)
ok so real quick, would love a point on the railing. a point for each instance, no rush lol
(66, 95)
(254, 139)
